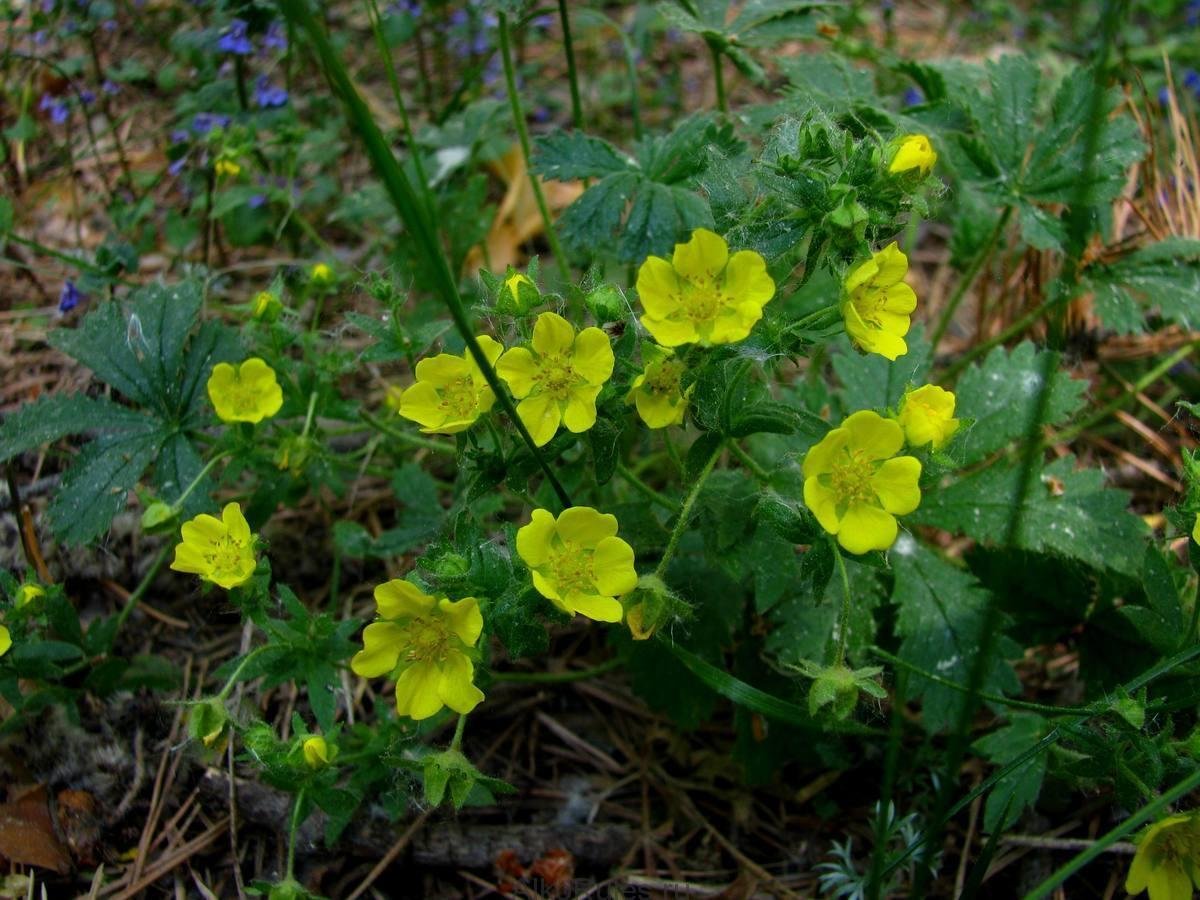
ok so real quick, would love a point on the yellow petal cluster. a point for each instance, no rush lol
(218, 550)
(245, 393)
(1196, 529)
(28, 593)
(423, 642)
(557, 378)
(450, 393)
(316, 752)
(702, 295)
(320, 274)
(577, 561)
(656, 392)
(913, 151)
(927, 416)
(876, 303)
(1167, 861)
(856, 485)
(5, 640)
(226, 167)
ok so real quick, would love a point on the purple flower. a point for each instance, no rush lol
(913, 96)
(257, 201)
(1164, 97)
(109, 25)
(407, 7)
(459, 18)
(203, 123)
(1191, 81)
(176, 167)
(1193, 13)
(110, 87)
(87, 97)
(69, 298)
(266, 95)
(542, 21)
(234, 39)
(39, 37)
(276, 37)
(180, 136)
(48, 6)
(57, 109)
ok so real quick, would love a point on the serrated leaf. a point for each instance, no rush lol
(177, 466)
(513, 616)
(94, 489)
(940, 617)
(1018, 789)
(1002, 395)
(572, 155)
(1066, 512)
(1163, 276)
(805, 620)
(54, 416)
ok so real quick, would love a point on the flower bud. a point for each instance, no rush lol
(518, 295)
(650, 606)
(606, 303)
(159, 518)
(320, 275)
(266, 306)
(911, 151)
(927, 416)
(317, 752)
(207, 723)
(28, 593)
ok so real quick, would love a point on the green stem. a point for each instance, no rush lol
(417, 219)
(557, 677)
(223, 694)
(518, 115)
(648, 492)
(844, 615)
(404, 437)
(138, 592)
(968, 278)
(572, 75)
(686, 509)
(719, 78)
(208, 467)
(459, 728)
(750, 463)
(297, 810)
(816, 316)
(1069, 434)
(1145, 814)
(308, 416)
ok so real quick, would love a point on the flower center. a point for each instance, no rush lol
(426, 640)
(556, 376)
(850, 480)
(570, 568)
(458, 398)
(225, 554)
(664, 378)
(701, 300)
(243, 399)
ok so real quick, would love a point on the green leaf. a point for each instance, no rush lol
(515, 618)
(572, 155)
(1161, 621)
(1163, 276)
(940, 616)
(805, 620)
(870, 381)
(1065, 512)
(53, 416)
(1018, 789)
(1002, 396)
(177, 466)
(96, 486)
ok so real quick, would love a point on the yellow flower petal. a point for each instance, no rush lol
(861, 275)
(547, 589)
(702, 257)
(873, 435)
(823, 503)
(892, 263)
(442, 370)
(596, 608)
(899, 299)
(235, 523)
(421, 403)
(586, 526)
(592, 357)
(895, 482)
(580, 412)
(659, 410)
(316, 752)
(657, 286)
(456, 688)
(398, 599)
(417, 691)
(491, 348)
(382, 644)
(1196, 529)
(671, 332)
(612, 565)
(864, 528)
(464, 619)
(518, 370)
(914, 151)
(533, 540)
(821, 456)
(746, 279)
(552, 334)
(5, 640)
(541, 415)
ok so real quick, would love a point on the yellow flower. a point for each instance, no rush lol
(266, 306)
(316, 752)
(5, 640)
(1196, 529)
(450, 392)
(426, 639)
(27, 593)
(913, 151)
(226, 167)
(557, 381)
(577, 561)
(321, 274)
(702, 294)
(248, 393)
(856, 485)
(927, 416)
(876, 303)
(1167, 861)
(656, 392)
(218, 550)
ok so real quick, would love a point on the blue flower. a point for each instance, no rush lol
(203, 123)
(87, 97)
(57, 109)
(69, 298)
(266, 95)
(48, 6)
(276, 37)
(234, 39)
(913, 96)
(408, 7)
(176, 167)
(257, 201)
(110, 87)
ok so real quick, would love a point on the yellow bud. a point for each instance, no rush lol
(321, 274)
(226, 167)
(927, 416)
(27, 593)
(316, 752)
(913, 151)
(266, 306)
(1196, 529)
